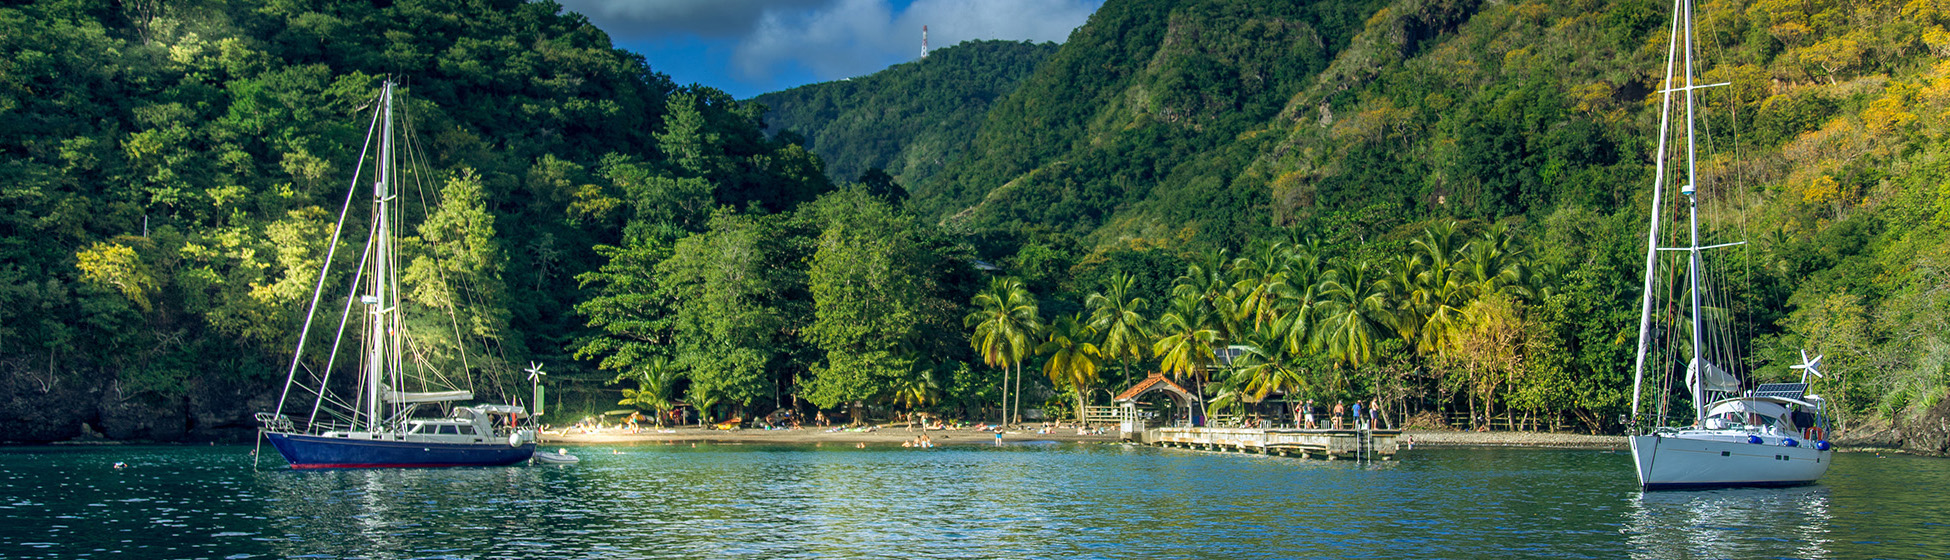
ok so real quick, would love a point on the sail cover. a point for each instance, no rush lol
(441, 396)
(1716, 379)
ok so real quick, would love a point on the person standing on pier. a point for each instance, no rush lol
(1360, 422)
(1340, 411)
(1310, 415)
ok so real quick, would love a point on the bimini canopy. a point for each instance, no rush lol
(499, 409)
(1764, 406)
(1749, 406)
(441, 396)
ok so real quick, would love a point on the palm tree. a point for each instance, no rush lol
(1355, 314)
(1119, 319)
(1260, 280)
(1004, 319)
(1298, 308)
(917, 389)
(1268, 365)
(701, 399)
(655, 380)
(1437, 293)
(1072, 358)
(1185, 338)
(1494, 264)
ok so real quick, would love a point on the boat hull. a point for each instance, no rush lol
(1668, 462)
(318, 452)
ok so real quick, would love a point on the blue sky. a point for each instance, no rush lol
(749, 47)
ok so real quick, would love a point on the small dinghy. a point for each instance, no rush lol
(559, 457)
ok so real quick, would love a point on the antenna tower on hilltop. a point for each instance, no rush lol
(924, 41)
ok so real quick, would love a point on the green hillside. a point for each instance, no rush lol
(909, 120)
(172, 170)
(1436, 205)
(1164, 133)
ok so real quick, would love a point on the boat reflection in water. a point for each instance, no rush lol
(1731, 523)
(405, 512)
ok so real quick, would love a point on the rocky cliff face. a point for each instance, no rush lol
(37, 406)
(1925, 434)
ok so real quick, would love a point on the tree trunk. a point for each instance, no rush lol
(1005, 396)
(1080, 406)
(1018, 392)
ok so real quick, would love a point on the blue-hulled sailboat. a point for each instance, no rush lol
(381, 426)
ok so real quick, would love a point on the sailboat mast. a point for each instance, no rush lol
(382, 248)
(1692, 215)
(1658, 192)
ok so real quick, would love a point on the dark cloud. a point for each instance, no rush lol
(707, 18)
(854, 37)
(833, 38)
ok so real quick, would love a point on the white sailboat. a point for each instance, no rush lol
(1773, 435)
(377, 426)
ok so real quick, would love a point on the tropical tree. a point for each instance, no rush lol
(876, 281)
(1356, 313)
(1259, 282)
(1436, 292)
(1005, 320)
(1495, 264)
(1268, 365)
(1073, 359)
(656, 380)
(918, 389)
(1118, 318)
(1185, 339)
(701, 399)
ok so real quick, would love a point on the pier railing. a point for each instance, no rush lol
(1102, 415)
(1330, 444)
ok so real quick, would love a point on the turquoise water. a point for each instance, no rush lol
(1019, 501)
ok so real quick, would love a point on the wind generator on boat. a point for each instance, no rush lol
(1773, 435)
(378, 426)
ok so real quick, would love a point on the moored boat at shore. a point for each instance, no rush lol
(378, 426)
(1773, 435)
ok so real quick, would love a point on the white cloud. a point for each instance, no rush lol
(708, 18)
(836, 38)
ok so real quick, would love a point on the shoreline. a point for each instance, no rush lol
(883, 435)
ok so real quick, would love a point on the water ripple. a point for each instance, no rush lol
(1046, 501)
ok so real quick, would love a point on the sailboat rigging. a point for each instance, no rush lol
(1772, 435)
(378, 427)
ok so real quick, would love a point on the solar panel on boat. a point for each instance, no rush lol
(1783, 390)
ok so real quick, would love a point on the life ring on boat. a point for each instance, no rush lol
(514, 439)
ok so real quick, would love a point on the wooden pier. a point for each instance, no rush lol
(1325, 444)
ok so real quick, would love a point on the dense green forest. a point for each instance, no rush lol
(1168, 139)
(1436, 204)
(173, 168)
(909, 120)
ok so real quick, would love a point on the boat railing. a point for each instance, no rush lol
(275, 422)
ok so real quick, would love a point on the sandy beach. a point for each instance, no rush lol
(894, 435)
